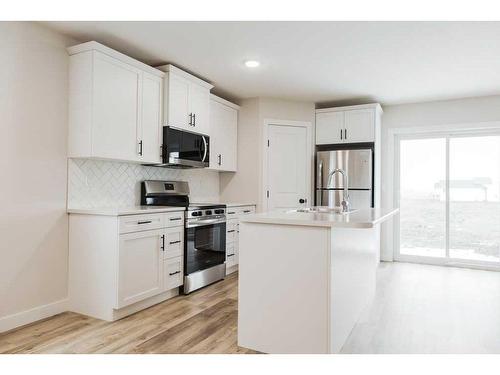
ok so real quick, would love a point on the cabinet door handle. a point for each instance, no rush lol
(231, 213)
(230, 255)
(220, 159)
(144, 222)
(340, 134)
(191, 119)
(175, 218)
(246, 211)
(173, 242)
(345, 133)
(163, 243)
(194, 119)
(230, 231)
(140, 147)
(174, 273)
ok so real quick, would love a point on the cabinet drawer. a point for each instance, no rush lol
(246, 210)
(174, 242)
(174, 273)
(136, 223)
(231, 230)
(232, 213)
(174, 219)
(230, 255)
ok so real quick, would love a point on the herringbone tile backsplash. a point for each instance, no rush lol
(96, 183)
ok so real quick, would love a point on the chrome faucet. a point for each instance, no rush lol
(345, 199)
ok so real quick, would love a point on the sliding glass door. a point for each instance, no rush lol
(449, 199)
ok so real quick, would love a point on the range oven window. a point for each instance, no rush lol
(205, 247)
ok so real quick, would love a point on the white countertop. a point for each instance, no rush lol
(119, 211)
(363, 218)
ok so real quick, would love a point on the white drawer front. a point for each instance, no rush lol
(174, 274)
(231, 230)
(230, 255)
(246, 210)
(136, 223)
(174, 219)
(232, 213)
(174, 242)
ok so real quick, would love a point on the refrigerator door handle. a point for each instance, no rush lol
(320, 174)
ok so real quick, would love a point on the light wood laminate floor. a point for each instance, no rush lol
(203, 322)
(430, 309)
(417, 309)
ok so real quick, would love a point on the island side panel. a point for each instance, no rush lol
(283, 288)
(354, 261)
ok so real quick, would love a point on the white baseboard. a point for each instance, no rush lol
(29, 316)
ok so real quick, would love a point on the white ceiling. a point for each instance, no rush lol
(388, 62)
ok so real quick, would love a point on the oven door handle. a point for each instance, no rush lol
(202, 222)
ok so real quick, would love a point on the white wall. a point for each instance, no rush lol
(458, 113)
(246, 184)
(33, 220)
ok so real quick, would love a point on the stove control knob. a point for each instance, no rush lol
(196, 213)
(208, 212)
(219, 211)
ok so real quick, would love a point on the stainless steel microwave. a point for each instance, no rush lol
(182, 149)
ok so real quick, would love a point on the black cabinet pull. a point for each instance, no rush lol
(340, 134)
(230, 231)
(246, 211)
(345, 133)
(231, 213)
(163, 243)
(191, 119)
(140, 148)
(194, 119)
(230, 255)
(220, 159)
(174, 242)
(175, 218)
(174, 273)
(144, 222)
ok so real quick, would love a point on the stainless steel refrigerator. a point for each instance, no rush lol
(358, 164)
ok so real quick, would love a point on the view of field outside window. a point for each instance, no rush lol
(422, 212)
(475, 198)
(474, 188)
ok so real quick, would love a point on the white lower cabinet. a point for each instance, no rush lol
(121, 264)
(140, 270)
(232, 235)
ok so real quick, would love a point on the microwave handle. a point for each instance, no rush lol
(205, 148)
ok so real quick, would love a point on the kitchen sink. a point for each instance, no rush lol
(323, 210)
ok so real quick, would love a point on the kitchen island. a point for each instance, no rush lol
(305, 277)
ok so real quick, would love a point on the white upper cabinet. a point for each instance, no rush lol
(329, 127)
(114, 106)
(353, 124)
(359, 125)
(150, 132)
(223, 134)
(186, 101)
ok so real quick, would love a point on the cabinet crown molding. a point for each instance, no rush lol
(169, 68)
(375, 106)
(220, 100)
(96, 46)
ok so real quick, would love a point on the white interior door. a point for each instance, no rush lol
(287, 166)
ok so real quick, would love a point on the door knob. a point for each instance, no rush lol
(302, 200)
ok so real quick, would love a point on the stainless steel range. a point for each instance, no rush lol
(205, 232)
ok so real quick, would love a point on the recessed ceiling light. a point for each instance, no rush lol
(252, 63)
